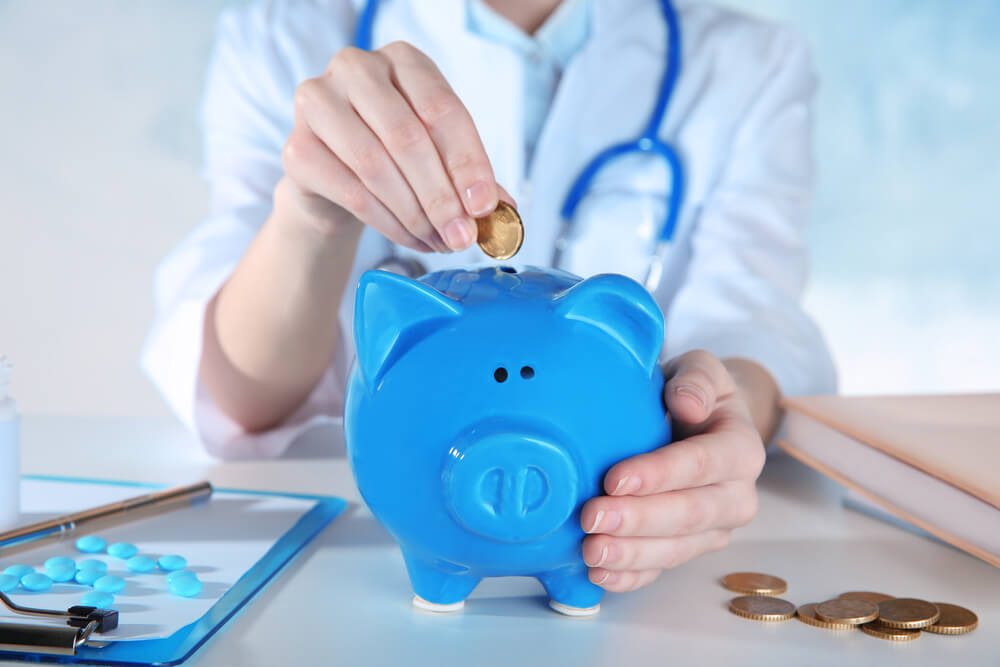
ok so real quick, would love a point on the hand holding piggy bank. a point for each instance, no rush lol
(484, 410)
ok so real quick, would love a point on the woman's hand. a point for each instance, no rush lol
(381, 137)
(670, 505)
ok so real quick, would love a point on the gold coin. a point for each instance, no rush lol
(876, 629)
(907, 613)
(758, 608)
(501, 233)
(867, 596)
(840, 610)
(754, 583)
(807, 614)
(954, 620)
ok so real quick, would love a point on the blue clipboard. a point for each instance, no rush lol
(182, 644)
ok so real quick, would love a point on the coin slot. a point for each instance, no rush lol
(508, 269)
(527, 372)
(500, 374)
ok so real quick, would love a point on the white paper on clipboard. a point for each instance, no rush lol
(221, 539)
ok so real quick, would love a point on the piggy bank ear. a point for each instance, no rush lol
(622, 309)
(391, 314)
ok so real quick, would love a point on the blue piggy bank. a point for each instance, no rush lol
(486, 407)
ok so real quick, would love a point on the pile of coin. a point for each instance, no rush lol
(501, 233)
(877, 614)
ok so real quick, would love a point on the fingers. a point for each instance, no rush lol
(687, 512)
(334, 121)
(389, 114)
(621, 554)
(622, 582)
(316, 170)
(450, 127)
(391, 119)
(695, 381)
(730, 450)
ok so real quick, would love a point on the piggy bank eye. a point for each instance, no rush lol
(527, 372)
(500, 374)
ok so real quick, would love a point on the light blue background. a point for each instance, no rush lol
(99, 178)
(905, 237)
(908, 137)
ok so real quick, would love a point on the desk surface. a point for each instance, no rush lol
(346, 599)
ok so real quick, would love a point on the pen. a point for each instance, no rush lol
(122, 510)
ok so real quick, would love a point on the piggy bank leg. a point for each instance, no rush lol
(436, 589)
(571, 592)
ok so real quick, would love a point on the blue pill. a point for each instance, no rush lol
(109, 584)
(172, 563)
(8, 582)
(92, 564)
(19, 570)
(179, 573)
(187, 585)
(98, 599)
(60, 561)
(140, 564)
(91, 544)
(88, 577)
(60, 572)
(37, 582)
(122, 550)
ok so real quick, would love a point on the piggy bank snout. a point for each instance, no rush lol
(510, 488)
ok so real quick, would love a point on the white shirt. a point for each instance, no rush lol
(740, 117)
(544, 54)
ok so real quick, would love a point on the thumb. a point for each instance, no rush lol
(695, 381)
(506, 196)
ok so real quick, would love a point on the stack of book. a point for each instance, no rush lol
(931, 461)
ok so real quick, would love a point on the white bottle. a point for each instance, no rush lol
(10, 452)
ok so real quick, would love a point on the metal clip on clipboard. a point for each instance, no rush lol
(81, 623)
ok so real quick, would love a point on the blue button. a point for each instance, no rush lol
(36, 582)
(8, 583)
(122, 550)
(92, 564)
(19, 570)
(140, 564)
(172, 562)
(109, 584)
(91, 544)
(98, 599)
(185, 585)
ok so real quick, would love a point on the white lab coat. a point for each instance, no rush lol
(741, 118)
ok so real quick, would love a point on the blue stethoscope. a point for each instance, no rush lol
(648, 142)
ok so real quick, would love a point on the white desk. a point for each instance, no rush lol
(346, 600)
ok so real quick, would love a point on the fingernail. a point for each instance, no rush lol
(607, 573)
(603, 557)
(458, 234)
(627, 485)
(693, 391)
(480, 198)
(606, 521)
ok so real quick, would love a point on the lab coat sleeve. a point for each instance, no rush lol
(245, 122)
(742, 293)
